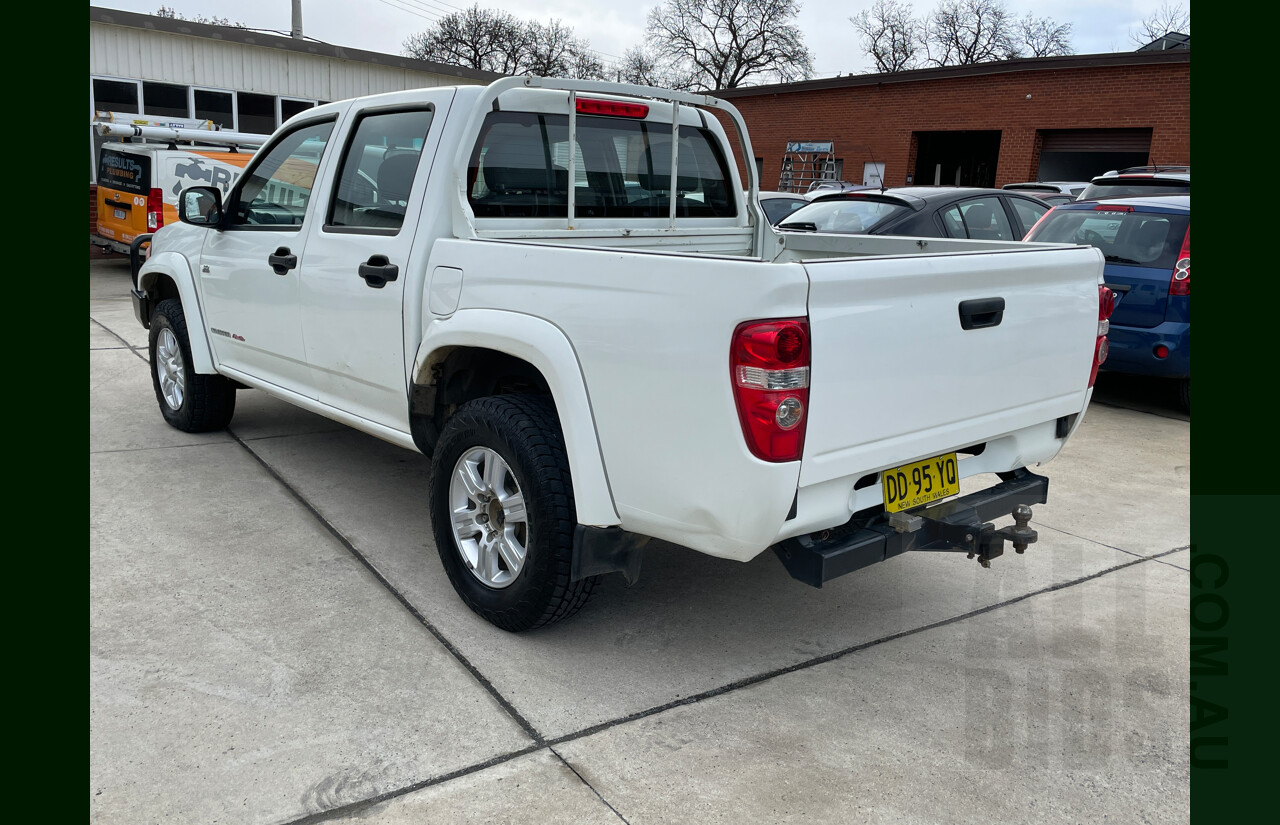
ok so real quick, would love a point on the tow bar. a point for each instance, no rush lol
(961, 525)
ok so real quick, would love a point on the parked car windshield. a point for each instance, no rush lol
(1134, 238)
(844, 215)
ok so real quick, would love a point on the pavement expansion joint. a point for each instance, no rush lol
(484, 682)
(584, 781)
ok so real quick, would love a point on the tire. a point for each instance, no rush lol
(495, 454)
(189, 401)
(1184, 394)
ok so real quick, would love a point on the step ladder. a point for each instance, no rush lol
(805, 163)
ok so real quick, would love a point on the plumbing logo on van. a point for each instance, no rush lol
(196, 172)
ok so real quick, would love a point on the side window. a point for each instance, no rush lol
(1028, 212)
(378, 169)
(276, 192)
(978, 218)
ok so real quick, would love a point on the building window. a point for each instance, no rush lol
(216, 106)
(257, 113)
(115, 96)
(165, 100)
(290, 107)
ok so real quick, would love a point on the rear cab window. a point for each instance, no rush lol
(1145, 239)
(520, 169)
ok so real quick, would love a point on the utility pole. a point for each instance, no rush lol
(296, 33)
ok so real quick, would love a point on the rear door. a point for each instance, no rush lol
(895, 375)
(359, 259)
(124, 183)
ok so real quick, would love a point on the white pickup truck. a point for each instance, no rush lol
(560, 292)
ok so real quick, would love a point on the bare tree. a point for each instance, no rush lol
(497, 41)
(1041, 37)
(643, 67)
(1168, 19)
(891, 35)
(960, 32)
(724, 44)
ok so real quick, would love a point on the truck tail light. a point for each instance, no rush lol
(1106, 305)
(155, 210)
(1180, 283)
(769, 369)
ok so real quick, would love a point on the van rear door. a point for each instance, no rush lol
(124, 183)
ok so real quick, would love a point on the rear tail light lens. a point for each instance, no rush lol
(1106, 305)
(1102, 207)
(155, 210)
(769, 368)
(1180, 283)
(611, 108)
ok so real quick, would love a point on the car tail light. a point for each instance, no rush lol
(1180, 283)
(155, 210)
(611, 108)
(769, 368)
(1103, 207)
(1106, 305)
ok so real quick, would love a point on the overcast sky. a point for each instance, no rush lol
(612, 27)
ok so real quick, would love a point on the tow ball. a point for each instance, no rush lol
(1019, 534)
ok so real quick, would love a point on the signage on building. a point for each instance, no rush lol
(827, 146)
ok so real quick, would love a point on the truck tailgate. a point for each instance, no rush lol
(895, 376)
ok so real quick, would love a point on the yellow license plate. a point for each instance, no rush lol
(920, 483)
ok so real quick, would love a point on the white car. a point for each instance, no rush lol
(591, 364)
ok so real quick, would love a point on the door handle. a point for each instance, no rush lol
(282, 260)
(377, 271)
(979, 313)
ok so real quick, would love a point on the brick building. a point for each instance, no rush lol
(1051, 118)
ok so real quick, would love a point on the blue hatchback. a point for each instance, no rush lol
(1147, 244)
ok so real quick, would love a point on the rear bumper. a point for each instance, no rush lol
(1132, 350)
(957, 525)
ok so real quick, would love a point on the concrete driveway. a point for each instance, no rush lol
(273, 639)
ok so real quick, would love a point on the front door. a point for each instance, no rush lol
(249, 271)
(357, 266)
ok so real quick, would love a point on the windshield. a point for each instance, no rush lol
(1133, 238)
(850, 216)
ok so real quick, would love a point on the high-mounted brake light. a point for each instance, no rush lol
(769, 368)
(155, 209)
(1180, 283)
(1102, 207)
(611, 108)
(1106, 305)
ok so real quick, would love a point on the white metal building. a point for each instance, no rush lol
(241, 79)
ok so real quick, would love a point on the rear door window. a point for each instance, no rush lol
(520, 168)
(378, 168)
(978, 218)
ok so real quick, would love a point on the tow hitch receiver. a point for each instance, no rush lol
(961, 525)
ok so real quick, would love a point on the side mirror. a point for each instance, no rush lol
(200, 206)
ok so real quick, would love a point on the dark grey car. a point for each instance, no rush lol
(924, 212)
